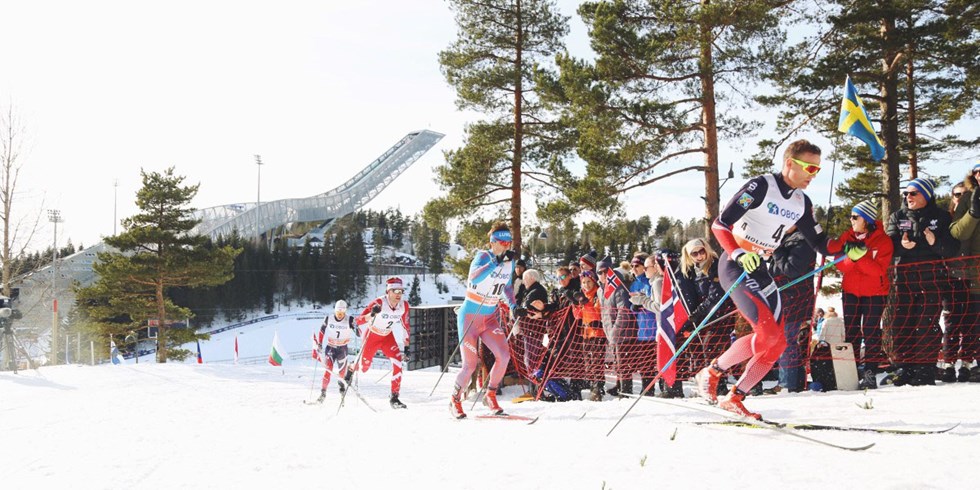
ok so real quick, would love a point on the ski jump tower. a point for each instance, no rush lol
(248, 219)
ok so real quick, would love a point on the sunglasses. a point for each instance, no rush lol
(398, 291)
(810, 168)
(854, 217)
(563, 277)
(505, 244)
(700, 252)
(910, 193)
(957, 194)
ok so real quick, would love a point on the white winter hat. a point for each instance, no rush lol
(341, 305)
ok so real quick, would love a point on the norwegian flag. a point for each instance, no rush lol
(316, 349)
(613, 282)
(672, 318)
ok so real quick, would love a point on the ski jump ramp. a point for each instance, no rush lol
(247, 219)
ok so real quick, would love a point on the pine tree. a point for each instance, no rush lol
(155, 254)
(493, 65)
(656, 92)
(414, 294)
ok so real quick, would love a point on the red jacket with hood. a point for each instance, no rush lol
(869, 275)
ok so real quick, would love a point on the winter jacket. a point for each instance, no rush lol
(616, 314)
(588, 312)
(707, 291)
(964, 227)
(536, 298)
(914, 222)
(794, 258)
(869, 275)
(646, 320)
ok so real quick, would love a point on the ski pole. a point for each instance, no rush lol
(360, 357)
(683, 346)
(458, 344)
(785, 286)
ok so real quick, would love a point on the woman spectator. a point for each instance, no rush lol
(586, 309)
(697, 280)
(961, 337)
(864, 287)
(618, 323)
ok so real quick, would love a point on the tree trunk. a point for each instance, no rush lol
(515, 186)
(710, 129)
(910, 88)
(162, 329)
(889, 122)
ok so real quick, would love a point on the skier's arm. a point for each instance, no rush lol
(408, 328)
(750, 196)
(812, 231)
(367, 314)
(481, 267)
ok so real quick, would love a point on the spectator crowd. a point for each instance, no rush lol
(910, 297)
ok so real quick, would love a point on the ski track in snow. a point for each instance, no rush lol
(227, 426)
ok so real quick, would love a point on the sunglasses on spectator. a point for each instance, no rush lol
(910, 193)
(700, 252)
(810, 168)
(563, 277)
(957, 194)
(854, 217)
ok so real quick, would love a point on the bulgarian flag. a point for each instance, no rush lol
(275, 357)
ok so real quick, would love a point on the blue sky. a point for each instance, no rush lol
(319, 89)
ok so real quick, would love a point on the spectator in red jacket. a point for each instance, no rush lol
(865, 285)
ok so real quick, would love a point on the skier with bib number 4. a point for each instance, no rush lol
(336, 331)
(750, 228)
(385, 326)
(489, 284)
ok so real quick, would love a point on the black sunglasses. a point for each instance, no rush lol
(854, 217)
(910, 193)
(957, 194)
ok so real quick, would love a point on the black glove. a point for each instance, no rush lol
(375, 309)
(579, 297)
(508, 255)
(687, 328)
(520, 312)
(975, 203)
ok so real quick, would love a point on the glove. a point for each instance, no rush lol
(855, 253)
(375, 309)
(508, 255)
(520, 312)
(579, 298)
(975, 204)
(687, 329)
(852, 244)
(637, 299)
(749, 261)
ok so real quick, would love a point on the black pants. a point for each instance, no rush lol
(960, 337)
(862, 323)
(916, 303)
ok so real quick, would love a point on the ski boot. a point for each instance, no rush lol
(733, 403)
(323, 395)
(395, 402)
(963, 375)
(949, 374)
(490, 401)
(456, 403)
(341, 386)
(706, 382)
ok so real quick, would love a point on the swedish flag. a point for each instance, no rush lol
(854, 121)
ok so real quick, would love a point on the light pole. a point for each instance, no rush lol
(258, 195)
(115, 192)
(54, 216)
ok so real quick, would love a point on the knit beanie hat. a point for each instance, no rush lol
(925, 186)
(588, 259)
(866, 210)
(394, 283)
(605, 263)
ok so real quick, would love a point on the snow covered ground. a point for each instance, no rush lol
(228, 426)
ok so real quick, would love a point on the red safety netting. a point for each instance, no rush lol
(929, 316)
